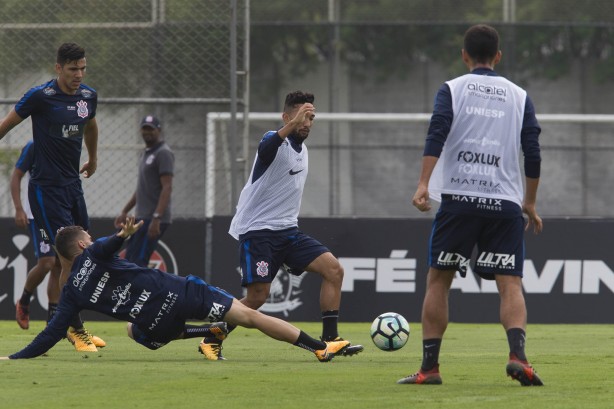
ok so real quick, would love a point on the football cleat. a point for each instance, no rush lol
(22, 315)
(219, 330)
(430, 377)
(211, 351)
(522, 372)
(350, 350)
(81, 340)
(333, 348)
(99, 342)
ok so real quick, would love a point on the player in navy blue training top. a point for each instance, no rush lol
(471, 164)
(155, 303)
(45, 254)
(63, 113)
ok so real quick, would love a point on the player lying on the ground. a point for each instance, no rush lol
(157, 304)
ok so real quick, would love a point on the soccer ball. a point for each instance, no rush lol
(390, 331)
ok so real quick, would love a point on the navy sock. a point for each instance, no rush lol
(51, 311)
(77, 322)
(516, 338)
(430, 353)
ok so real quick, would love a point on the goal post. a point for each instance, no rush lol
(218, 156)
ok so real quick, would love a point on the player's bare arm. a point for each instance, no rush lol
(122, 216)
(90, 136)
(9, 122)
(421, 197)
(166, 181)
(529, 208)
(21, 218)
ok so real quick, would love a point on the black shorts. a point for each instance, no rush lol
(54, 207)
(42, 248)
(202, 302)
(499, 242)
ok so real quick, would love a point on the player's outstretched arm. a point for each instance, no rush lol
(90, 137)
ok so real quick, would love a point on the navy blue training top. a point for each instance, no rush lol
(102, 282)
(26, 158)
(58, 122)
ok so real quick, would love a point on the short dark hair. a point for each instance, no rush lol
(297, 97)
(65, 240)
(69, 52)
(481, 43)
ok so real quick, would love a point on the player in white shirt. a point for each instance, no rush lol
(266, 222)
(480, 123)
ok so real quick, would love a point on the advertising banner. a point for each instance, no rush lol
(568, 271)
(181, 251)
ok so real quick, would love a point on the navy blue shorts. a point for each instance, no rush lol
(499, 242)
(202, 302)
(262, 253)
(57, 206)
(41, 248)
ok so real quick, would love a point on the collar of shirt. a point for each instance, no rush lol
(485, 71)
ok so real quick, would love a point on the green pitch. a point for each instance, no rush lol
(576, 363)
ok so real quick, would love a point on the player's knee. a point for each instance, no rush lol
(250, 317)
(256, 296)
(335, 272)
(129, 330)
(255, 300)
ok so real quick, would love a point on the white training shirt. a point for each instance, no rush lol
(273, 201)
(481, 153)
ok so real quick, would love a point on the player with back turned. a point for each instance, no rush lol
(63, 113)
(480, 123)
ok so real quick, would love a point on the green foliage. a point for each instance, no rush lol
(188, 53)
(385, 38)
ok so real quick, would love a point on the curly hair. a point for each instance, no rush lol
(296, 98)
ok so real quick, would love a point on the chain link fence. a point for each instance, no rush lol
(174, 58)
(170, 58)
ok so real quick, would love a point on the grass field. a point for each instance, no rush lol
(576, 363)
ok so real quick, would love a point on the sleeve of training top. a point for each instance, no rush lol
(529, 140)
(106, 247)
(267, 149)
(29, 103)
(441, 122)
(54, 332)
(26, 158)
